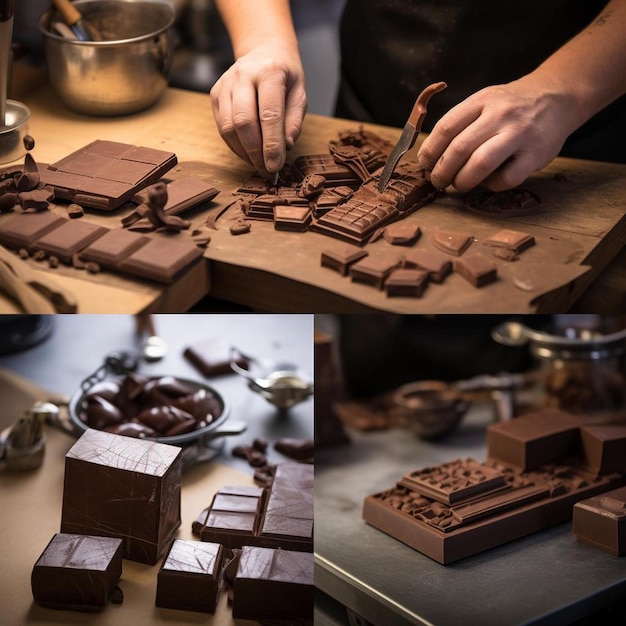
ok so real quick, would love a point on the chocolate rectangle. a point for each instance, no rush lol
(68, 239)
(113, 247)
(23, 229)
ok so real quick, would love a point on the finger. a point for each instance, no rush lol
(272, 95)
(222, 113)
(294, 113)
(445, 130)
(246, 124)
(485, 160)
(513, 173)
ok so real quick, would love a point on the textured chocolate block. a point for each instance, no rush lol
(437, 265)
(21, 230)
(601, 521)
(211, 357)
(273, 584)
(68, 239)
(406, 283)
(77, 572)
(604, 448)
(373, 271)
(162, 259)
(119, 486)
(476, 269)
(340, 259)
(189, 576)
(535, 439)
(113, 247)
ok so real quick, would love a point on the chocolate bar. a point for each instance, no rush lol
(118, 486)
(189, 576)
(283, 518)
(373, 270)
(476, 269)
(77, 572)
(600, 522)
(212, 357)
(406, 283)
(23, 229)
(273, 584)
(340, 259)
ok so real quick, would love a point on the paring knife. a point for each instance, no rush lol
(409, 133)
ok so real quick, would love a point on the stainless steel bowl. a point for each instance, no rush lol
(126, 72)
(13, 133)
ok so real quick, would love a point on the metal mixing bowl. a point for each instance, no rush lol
(126, 72)
(13, 133)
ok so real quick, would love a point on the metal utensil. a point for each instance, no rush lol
(154, 347)
(6, 35)
(409, 133)
(74, 19)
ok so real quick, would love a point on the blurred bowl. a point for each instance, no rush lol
(124, 73)
(13, 132)
(431, 409)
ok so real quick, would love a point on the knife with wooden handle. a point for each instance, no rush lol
(409, 133)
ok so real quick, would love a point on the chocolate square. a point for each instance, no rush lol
(402, 234)
(21, 230)
(119, 486)
(162, 259)
(340, 259)
(406, 283)
(77, 572)
(189, 576)
(437, 265)
(113, 247)
(603, 448)
(510, 239)
(451, 242)
(68, 239)
(294, 218)
(476, 269)
(373, 271)
(273, 584)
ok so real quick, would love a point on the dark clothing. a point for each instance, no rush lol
(392, 49)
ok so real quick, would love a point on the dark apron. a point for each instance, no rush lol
(392, 49)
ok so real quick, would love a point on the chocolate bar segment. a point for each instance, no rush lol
(113, 247)
(68, 239)
(511, 239)
(189, 576)
(23, 229)
(273, 584)
(119, 486)
(77, 572)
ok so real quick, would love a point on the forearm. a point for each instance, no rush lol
(252, 22)
(590, 70)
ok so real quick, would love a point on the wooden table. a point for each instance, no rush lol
(585, 218)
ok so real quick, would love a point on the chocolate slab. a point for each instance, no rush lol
(113, 247)
(118, 486)
(437, 265)
(77, 572)
(603, 448)
(162, 259)
(477, 269)
(535, 439)
(600, 521)
(511, 239)
(451, 242)
(406, 283)
(212, 357)
(340, 259)
(23, 229)
(69, 238)
(189, 576)
(373, 270)
(105, 174)
(273, 584)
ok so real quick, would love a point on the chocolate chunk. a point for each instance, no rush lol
(603, 448)
(260, 444)
(340, 259)
(476, 269)
(117, 595)
(35, 200)
(451, 243)
(29, 142)
(122, 487)
(92, 268)
(74, 211)
(436, 264)
(77, 572)
(101, 413)
(189, 576)
(240, 227)
(273, 584)
(510, 239)
(293, 218)
(132, 429)
(406, 283)
(373, 271)
(165, 418)
(53, 262)
(211, 357)
(28, 178)
(296, 449)
(113, 247)
(512, 203)
(402, 234)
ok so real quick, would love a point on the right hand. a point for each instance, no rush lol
(259, 105)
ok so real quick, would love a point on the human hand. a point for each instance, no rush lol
(500, 135)
(259, 105)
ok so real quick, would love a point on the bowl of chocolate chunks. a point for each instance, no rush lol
(166, 409)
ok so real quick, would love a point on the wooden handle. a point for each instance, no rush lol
(68, 11)
(25, 296)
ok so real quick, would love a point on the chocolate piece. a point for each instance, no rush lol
(240, 227)
(406, 283)
(296, 449)
(312, 186)
(510, 239)
(183, 194)
(35, 200)
(241, 516)
(101, 413)
(132, 429)
(113, 247)
(603, 448)
(436, 264)
(505, 254)
(535, 439)
(161, 259)
(74, 211)
(292, 218)
(92, 268)
(402, 234)
(273, 584)
(68, 239)
(29, 142)
(105, 174)
(340, 259)
(451, 243)
(477, 270)
(28, 178)
(512, 203)
(212, 357)
(122, 487)
(324, 165)
(373, 271)
(23, 229)
(189, 576)
(600, 522)
(77, 572)
(167, 420)
(53, 262)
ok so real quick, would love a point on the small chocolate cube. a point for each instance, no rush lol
(406, 282)
(373, 271)
(295, 218)
(451, 242)
(77, 572)
(273, 584)
(402, 234)
(437, 265)
(511, 239)
(340, 259)
(603, 448)
(189, 576)
(477, 270)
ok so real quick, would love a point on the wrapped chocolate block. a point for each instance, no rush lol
(77, 572)
(118, 486)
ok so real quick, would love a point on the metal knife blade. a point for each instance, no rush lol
(409, 133)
